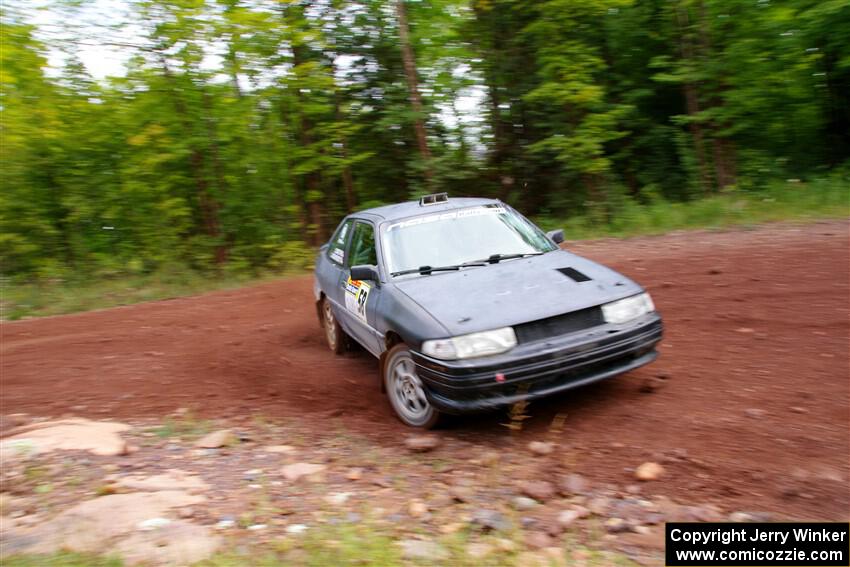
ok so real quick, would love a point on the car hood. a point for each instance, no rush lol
(515, 291)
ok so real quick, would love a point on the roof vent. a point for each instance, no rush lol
(434, 199)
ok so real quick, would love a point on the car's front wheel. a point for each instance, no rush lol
(333, 332)
(404, 388)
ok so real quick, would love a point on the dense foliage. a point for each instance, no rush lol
(242, 130)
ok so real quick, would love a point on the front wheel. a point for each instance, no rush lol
(405, 390)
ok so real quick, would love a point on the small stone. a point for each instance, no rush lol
(338, 498)
(153, 524)
(422, 443)
(295, 529)
(490, 458)
(745, 330)
(354, 474)
(649, 471)
(216, 439)
(616, 525)
(598, 506)
(225, 523)
(504, 544)
(295, 471)
(643, 530)
(755, 413)
(185, 513)
(257, 527)
(741, 517)
(651, 384)
(423, 550)
(417, 508)
(283, 449)
(524, 503)
(490, 520)
(573, 484)
(537, 540)
(479, 550)
(798, 409)
(581, 511)
(540, 490)
(461, 493)
(451, 528)
(541, 447)
(567, 518)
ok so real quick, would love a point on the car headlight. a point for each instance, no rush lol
(472, 345)
(627, 309)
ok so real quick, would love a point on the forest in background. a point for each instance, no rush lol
(242, 130)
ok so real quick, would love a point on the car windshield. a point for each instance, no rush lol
(460, 236)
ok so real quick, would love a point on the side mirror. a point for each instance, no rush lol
(367, 273)
(556, 236)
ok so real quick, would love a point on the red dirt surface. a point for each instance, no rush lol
(752, 412)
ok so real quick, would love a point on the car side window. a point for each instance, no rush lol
(336, 250)
(362, 246)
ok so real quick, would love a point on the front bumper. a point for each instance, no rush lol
(539, 368)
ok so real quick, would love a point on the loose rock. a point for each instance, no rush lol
(541, 447)
(417, 508)
(538, 489)
(97, 437)
(216, 439)
(567, 518)
(524, 503)
(599, 505)
(537, 540)
(479, 550)
(490, 520)
(573, 484)
(295, 471)
(423, 550)
(649, 471)
(354, 474)
(422, 443)
(616, 525)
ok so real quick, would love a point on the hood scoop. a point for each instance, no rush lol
(574, 275)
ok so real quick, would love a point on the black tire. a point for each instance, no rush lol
(404, 390)
(334, 335)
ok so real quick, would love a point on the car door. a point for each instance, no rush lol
(360, 298)
(330, 269)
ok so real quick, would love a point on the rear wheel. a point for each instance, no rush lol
(405, 390)
(333, 332)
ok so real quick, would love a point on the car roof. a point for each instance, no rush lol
(413, 208)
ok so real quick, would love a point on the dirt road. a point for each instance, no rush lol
(753, 412)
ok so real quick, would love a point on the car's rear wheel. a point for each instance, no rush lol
(333, 332)
(405, 390)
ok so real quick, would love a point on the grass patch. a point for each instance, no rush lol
(62, 559)
(349, 544)
(58, 296)
(185, 427)
(779, 201)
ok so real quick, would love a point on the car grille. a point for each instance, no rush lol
(558, 325)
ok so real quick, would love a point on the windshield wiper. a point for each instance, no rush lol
(425, 270)
(496, 258)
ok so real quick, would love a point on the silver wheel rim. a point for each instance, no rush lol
(330, 327)
(406, 392)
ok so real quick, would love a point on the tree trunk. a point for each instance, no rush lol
(692, 100)
(207, 204)
(413, 85)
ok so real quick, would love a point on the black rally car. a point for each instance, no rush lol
(469, 307)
